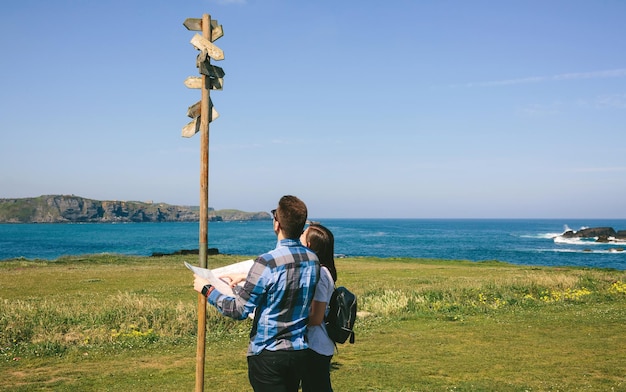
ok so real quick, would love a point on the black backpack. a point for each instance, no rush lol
(341, 316)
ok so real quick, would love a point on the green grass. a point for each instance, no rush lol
(116, 323)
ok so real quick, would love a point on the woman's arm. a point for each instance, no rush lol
(316, 315)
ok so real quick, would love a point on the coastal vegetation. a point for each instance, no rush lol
(122, 323)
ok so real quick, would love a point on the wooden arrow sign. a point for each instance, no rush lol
(211, 70)
(194, 112)
(217, 31)
(193, 82)
(196, 82)
(203, 44)
(192, 128)
(195, 24)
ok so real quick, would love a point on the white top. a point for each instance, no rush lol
(317, 337)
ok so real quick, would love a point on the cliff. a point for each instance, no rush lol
(74, 209)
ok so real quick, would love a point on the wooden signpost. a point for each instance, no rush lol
(202, 113)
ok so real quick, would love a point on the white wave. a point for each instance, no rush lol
(558, 237)
(587, 241)
(566, 228)
(548, 236)
(376, 234)
(587, 251)
(576, 241)
(541, 236)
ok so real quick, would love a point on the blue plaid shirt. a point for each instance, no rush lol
(279, 288)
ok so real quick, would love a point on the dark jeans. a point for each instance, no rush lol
(276, 371)
(316, 378)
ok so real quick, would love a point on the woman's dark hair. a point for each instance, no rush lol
(322, 242)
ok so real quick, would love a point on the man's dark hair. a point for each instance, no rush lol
(291, 215)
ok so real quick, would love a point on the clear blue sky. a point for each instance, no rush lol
(416, 109)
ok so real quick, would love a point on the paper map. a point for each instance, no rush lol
(213, 276)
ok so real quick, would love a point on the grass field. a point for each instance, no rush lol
(117, 323)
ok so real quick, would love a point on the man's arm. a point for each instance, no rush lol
(244, 299)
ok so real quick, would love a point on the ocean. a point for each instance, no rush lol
(518, 241)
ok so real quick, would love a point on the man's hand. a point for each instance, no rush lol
(199, 283)
(233, 279)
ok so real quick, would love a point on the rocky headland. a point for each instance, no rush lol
(76, 209)
(602, 234)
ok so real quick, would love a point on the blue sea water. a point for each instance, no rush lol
(527, 242)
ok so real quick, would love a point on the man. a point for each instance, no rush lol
(279, 288)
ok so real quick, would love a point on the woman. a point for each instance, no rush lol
(321, 348)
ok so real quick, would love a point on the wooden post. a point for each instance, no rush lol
(204, 211)
(202, 113)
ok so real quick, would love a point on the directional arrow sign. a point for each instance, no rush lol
(217, 83)
(196, 82)
(192, 128)
(201, 43)
(217, 31)
(194, 112)
(210, 70)
(193, 82)
(195, 24)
